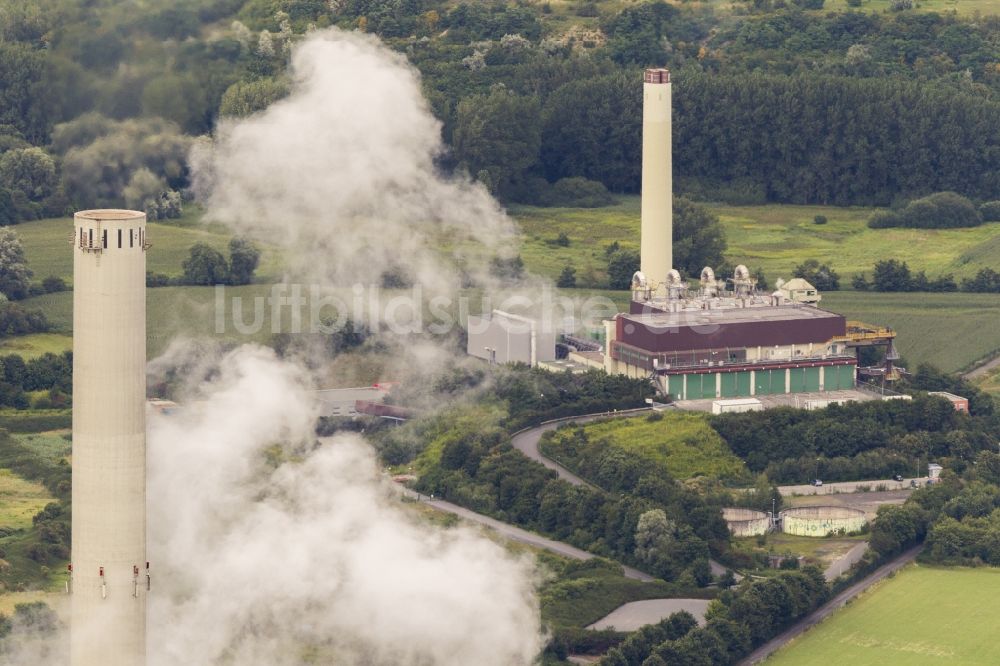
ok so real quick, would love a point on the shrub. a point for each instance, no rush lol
(567, 279)
(900, 5)
(943, 210)
(156, 279)
(52, 284)
(990, 211)
(579, 193)
(819, 219)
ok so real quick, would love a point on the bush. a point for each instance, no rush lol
(578, 193)
(16, 320)
(854, 3)
(205, 266)
(943, 210)
(819, 219)
(53, 283)
(900, 5)
(157, 279)
(622, 265)
(990, 211)
(567, 279)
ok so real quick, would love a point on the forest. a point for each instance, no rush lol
(784, 103)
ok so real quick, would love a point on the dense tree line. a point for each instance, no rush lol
(892, 275)
(736, 622)
(771, 102)
(49, 372)
(875, 439)
(502, 482)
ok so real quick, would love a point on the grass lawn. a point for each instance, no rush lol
(682, 444)
(924, 615)
(774, 237)
(20, 500)
(49, 252)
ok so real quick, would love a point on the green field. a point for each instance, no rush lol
(49, 252)
(36, 344)
(684, 445)
(923, 615)
(20, 500)
(952, 331)
(171, 312)
(52, 445)
(774, 237)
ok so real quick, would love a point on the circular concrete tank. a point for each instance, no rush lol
(819, 521)
(746, 522)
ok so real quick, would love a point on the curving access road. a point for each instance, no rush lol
(527, 442)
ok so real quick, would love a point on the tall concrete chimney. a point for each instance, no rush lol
(110, 575)
(657, 177)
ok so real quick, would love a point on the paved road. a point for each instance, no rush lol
(636, 614)
(523, 536)
(527, 441)
(827, 609)
(841, 487)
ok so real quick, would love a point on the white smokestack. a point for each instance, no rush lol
(109, 439)
(657, 177)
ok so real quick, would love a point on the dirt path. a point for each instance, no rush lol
(983, 369)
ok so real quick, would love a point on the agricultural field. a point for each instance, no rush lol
(951, 331)
(924, 615)
(773, 237)
(684, 445)
(20, 500)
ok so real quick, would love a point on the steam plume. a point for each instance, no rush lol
(266, 548)
(343, 172)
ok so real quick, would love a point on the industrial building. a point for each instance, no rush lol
(958, 402)
(708, 337)
(501, 337)
(110, 576)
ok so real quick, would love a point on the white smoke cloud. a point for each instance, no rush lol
(265, 549)
(343, 173)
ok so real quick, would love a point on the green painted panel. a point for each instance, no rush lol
(729, 388)
(798, 379)
(847, 376)
(743, 383)
(708, 386)
(693, 387)
(675, 386)
(762, 382)
(812, 379)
